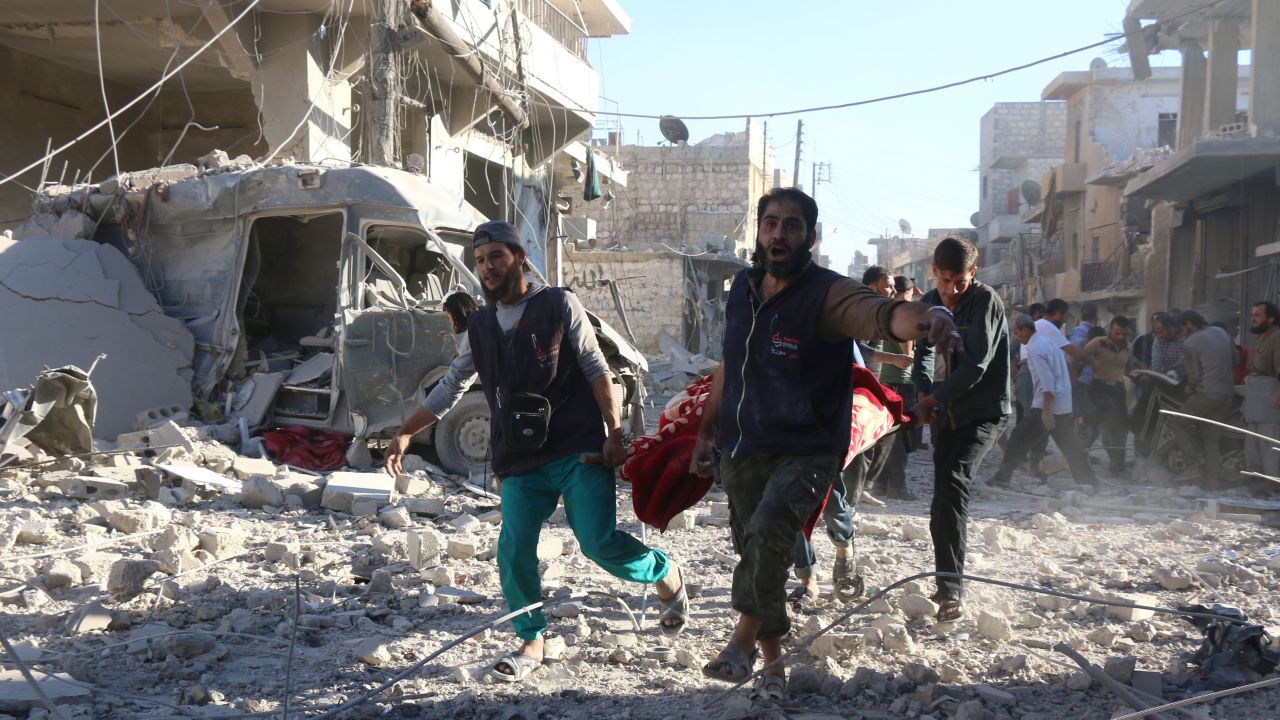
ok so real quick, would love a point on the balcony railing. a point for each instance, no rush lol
(556, 24)
(1098, 275)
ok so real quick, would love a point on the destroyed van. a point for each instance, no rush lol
(312, 293)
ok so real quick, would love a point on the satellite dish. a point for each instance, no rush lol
(1031, 192)
(973, 219)
(905, 227)
(673, 129)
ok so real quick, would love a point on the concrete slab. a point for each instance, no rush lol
(64, 301)
(202, 476)
(17, 696)
(345, 488)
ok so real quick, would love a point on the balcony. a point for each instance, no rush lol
(1071, 177)
(1001, 273)
(1003, 228)
(555, 23)
(1098, 275)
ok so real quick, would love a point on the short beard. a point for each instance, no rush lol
(783, 269)
(508, 287)
(1259, 329)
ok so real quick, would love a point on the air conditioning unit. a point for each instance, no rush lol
(578, 229)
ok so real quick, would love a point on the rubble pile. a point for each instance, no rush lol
(174, 576)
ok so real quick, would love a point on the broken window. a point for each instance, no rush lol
(426, 274)
(286, 309)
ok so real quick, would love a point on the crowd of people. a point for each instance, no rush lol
(775, 429)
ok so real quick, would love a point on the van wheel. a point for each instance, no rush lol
(462, 437)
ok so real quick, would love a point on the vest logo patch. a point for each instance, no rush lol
(544, 356)
(784, 346)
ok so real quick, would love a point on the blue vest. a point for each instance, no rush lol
(787, 391)
(539, 358)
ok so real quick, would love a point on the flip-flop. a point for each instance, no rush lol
(770, 688)
(732, 665)
(847, 583)
(520, 664)
(677, 608)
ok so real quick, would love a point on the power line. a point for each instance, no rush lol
(60, 149)
(922, 91)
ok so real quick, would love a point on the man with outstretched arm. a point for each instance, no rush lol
(535, 352)
(780, 408)
(968, 404)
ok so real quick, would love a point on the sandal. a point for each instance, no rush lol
(677, 608)
(949, 609)
(845, 580)
(731, 665)
(521, 665)
(803, 595)
(770, 688)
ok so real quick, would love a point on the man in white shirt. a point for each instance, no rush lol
(1051, 406)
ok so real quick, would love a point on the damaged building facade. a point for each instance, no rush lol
(666, 245)
(1215, 235)
(264, 271)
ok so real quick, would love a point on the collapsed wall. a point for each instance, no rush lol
(62, 302)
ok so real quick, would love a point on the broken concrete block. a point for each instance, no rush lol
(425, 547)
(431, 507)
(189, 645)
(1131, 614)
(1173, 578)
(463, 548)
(1121, 668)
(914, 531)
(176, 561)
(371, 651)
(195, 478)
(996, 696)
(17, 696)
(896, 637)
(465, 523)
(221, 543)
(971, 710)
(62, 573)
(1102, 637)
(459, 596)
(90, 617)
(175, 537)
(275, 551)
(409, 484)
(343, 488)
(167, 433)
(246, 467)
(127, 578)
(259, 492)
(149, 481)
(139, 520)
(687, 520)
(364, 507)
(917, 606)
(83, 487)
(395, 517)
(994, 625)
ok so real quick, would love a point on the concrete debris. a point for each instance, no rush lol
(17, 696)
(98, 303)
(128, 578)
(994, 626)
(357, 493)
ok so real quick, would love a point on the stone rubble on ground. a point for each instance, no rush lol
(194, 598)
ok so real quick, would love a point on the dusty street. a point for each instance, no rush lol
(186, 607)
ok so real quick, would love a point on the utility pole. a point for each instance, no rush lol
(764, 162)
(821, 173)
(382, 136)
(795, 173)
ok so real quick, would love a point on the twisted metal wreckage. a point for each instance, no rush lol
(287, 295)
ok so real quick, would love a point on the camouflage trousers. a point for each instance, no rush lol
(771, 498)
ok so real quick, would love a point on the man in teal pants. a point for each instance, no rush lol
(551, 400)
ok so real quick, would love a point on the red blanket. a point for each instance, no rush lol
(307, 449)
(658, 465)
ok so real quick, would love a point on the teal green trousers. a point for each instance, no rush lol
(590, 504)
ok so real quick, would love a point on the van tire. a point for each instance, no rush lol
(462, 437)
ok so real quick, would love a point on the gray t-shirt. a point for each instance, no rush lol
(462, 372)
(1210, 359)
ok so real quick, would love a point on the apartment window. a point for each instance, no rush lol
(1167, 130)
(1096, 247)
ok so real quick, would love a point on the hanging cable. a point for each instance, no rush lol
(112, 116)
(102, 83)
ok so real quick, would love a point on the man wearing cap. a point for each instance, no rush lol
(535, 350)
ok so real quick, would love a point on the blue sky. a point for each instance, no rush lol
(914, 158)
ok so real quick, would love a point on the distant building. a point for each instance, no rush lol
(1019, 142)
